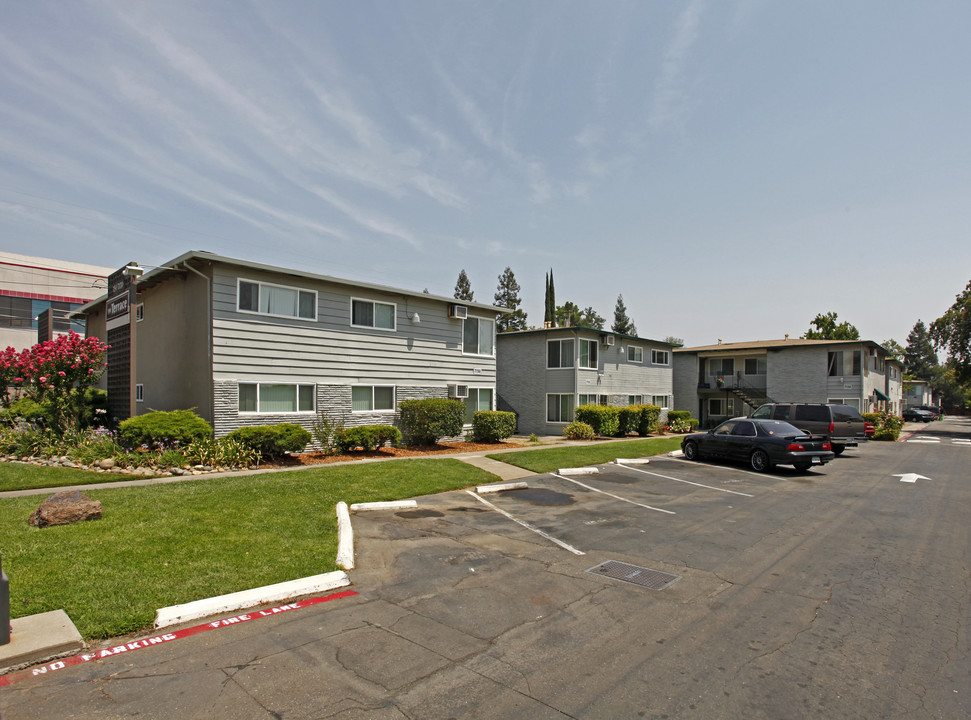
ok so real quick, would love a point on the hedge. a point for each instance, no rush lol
(160, 427)
(272, 440)
(367, 437)
(491, 426)
(426, 421)
(604, 419)
(578, 431)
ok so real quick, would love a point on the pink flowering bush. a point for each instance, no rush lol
(55, 374)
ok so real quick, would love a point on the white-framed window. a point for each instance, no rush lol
(592, 399)
(662, 401)
(722, 367)
(559, 408)
(635, 399)
(635, 354)
(478, 399)
(139, 312)
(264, 298)
(588, 354)
(755, 366)
(478, 336)
(139, 393)
(854, 402)
(721, 406)
(559, 353)
(276, 398)
(373, 314)
(660, 357)
(372, 398)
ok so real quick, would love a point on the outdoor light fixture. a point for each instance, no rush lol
(133, 270)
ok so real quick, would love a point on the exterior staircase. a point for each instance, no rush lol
(753, 397)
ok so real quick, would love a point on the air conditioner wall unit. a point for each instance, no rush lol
(458, 391)
(607, 340)
(457, 312)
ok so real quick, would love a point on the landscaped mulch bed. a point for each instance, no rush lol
(319, 458)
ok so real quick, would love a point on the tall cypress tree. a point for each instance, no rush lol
(552, 300)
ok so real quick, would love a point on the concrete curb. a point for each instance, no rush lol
(345, 538)
(578, 471)
(250, 598)
(389, 505)
(482, 489)
(631, 461)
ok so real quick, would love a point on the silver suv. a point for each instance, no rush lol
(842, 424)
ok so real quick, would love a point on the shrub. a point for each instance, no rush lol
(682, 426)
(217, 452)
(272, 441)
(873, 417)
(887, 426)
(425, 421)
(648, 421)
(27, 409)
(491, 426)
(628, 418)
(367, 437)
(577, 430)
(604, 419)
(163, 427)
(674, 415)
(324, 431)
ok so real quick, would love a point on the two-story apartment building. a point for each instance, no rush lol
(251, 344)
(545, 374)
(725, 380)
(917, 392)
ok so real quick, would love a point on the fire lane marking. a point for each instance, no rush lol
(85, 657)
(616, 497)
(565, 546)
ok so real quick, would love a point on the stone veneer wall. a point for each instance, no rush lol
(333, 401)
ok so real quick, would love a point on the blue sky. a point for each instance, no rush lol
(732, 167)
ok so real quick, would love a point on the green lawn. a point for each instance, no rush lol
(21, 476)
(169, 544)
(544, 461)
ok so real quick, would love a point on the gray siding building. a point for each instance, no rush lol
(715, 382)
(250, 344)
(545, 374)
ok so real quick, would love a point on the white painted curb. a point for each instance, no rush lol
(483, 489)
(250, 598)
(631, 461)
(390, 505)
(676, 453)
(345, 538)
(578, 471)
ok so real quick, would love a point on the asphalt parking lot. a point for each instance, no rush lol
(840, 592)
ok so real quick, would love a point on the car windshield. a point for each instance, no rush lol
(777, 427)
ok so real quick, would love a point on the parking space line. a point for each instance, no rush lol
(617, 497)
(762, 475)
(689, 482)
(565, 546)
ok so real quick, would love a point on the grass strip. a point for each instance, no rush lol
(168, 544)
(544, 461)
(21, 476)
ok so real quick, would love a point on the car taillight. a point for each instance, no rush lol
(827, 446)
(796, 447)
(832, 428)
(868, 428)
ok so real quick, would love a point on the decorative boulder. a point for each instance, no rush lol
(64, 508)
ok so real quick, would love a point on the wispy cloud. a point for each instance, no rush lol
(669, 97)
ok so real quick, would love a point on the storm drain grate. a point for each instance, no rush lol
(625, 572)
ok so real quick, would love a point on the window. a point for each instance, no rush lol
(478, 399)
(721, 406)
(755, 366)
(857, 362)
(722, 367)
(275, 398)
(662, 401)
(139, 312)
(139, 393)
(559, 354)
(635, 354)
(371, 314)
(588, 354)
(835, 364)
(635, 399)
(478, 336)
(18, 312)
(559, 408)
(371, 398)
(277, 300)
(660, 357)
(592, 399)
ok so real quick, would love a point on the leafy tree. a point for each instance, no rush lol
(674, 340)
(894, 348)
(623, 325)
(567, 314)
(828, 329)
(920, 360)
(952, 331)
(463, 288)
(591, 318)
(507, 296)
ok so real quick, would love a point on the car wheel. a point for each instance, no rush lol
(838, 450)
(759, 460)
(690, 451)
(802, 467)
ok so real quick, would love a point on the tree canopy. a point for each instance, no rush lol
(463, 288)
(569, 313)
(623, 325)
(826, 328)
(507, 296)
(920, 360)
(952, 332)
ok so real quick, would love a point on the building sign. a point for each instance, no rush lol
(121, 298)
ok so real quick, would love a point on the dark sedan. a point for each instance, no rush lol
(760, 443)
(918, 415)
